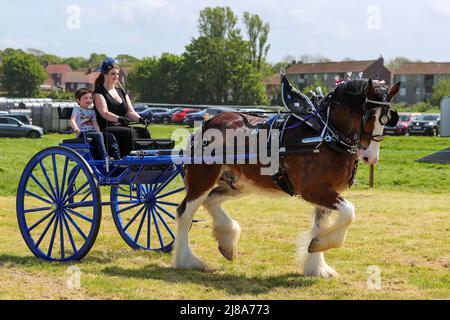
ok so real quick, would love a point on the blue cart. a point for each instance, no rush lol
(59, 199)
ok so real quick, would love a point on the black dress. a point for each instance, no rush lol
(124, 135)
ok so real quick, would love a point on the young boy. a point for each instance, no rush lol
(84, 124)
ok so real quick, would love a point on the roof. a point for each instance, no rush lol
(76, 77)
(272, 80)
(330, 67)
(424, 68)
(58, 68)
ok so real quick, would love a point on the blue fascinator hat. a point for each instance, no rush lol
(107, 64)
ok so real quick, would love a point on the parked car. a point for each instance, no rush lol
(402, 125)
(140, 107)
(254, 112)
(179, 116)
(164, 117)
(11, 127)
(149, 112)
(205, 114)
(425, 124)
(25, 119)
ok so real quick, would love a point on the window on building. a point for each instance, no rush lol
(325, 76)
(418, 91)
(403, 78)
(403, 91)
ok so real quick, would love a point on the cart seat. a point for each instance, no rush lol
(152, 144)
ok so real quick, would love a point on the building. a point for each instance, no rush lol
(55, 74)
(418, 80)
(75, 80)
(306, 74)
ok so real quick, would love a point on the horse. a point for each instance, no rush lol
(358, 109)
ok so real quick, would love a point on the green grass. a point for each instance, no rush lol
(402, 227)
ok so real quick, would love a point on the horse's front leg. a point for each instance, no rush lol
(333, 236)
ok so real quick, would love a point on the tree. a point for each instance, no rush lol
(157, 79)
(258, 33)
(440, 90)
(325, 90)
(77, 62)
(22, 74)
(313, 58)
(218, 22)
(126, 60)
(397, 62)
(95, 60)
(217, 66)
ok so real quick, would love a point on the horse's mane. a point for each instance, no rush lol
(354, 92)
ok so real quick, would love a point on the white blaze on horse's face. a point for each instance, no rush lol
(372, 154)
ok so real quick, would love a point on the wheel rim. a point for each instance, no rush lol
(145, 215)
(58, 205)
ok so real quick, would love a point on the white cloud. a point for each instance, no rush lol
(131, 9)
(21, 43)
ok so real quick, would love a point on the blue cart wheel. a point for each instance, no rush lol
(58, 205)
(144, 214)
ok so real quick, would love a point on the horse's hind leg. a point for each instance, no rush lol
(225, 230)
(313, 264)
(199, 181)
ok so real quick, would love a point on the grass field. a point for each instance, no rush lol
(402, 227)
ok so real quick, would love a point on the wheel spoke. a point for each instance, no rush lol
(149, 230)
(71, 182)
(129, 207)
(87, 195)
(165, 224)
(138, 233)
(166, 182)
(63, 182)
(134, 218)
(75, 225)
(165, 211)
(45, 231)
(79, 215)
(61, 237)
(170, 193)
(38, 197)
(41, 186)
(55, 174)
(73, 194)
(48, 179)
(37, 209)
(161, 242)
(40, 221)
(127, 196)
(69, 233)
(173, 204)
(52, 240)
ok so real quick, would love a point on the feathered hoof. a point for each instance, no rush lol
(229, 254)
(317, 244)
(192, 262)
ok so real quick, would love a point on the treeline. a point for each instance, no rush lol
(223, 65)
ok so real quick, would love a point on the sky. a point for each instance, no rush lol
(339, 29)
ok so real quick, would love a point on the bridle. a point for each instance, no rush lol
(388, 116)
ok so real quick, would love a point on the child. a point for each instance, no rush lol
(84, 124)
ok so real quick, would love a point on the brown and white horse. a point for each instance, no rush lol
(319, 178)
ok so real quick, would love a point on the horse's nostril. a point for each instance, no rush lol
(366, 159)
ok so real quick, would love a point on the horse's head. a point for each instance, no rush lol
(377, 113)
(364, 109)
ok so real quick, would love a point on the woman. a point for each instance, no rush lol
(114, 109)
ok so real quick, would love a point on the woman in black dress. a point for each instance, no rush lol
(114, 109)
